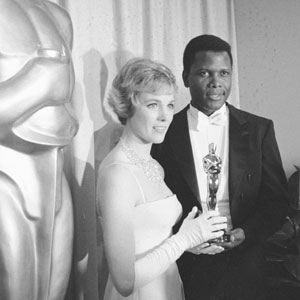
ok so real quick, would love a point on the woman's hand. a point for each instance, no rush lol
(196, 230)
(207, 248)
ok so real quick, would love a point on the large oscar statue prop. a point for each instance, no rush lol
(36, 82)
(212, 166)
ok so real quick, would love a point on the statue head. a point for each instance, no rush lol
(211, 162)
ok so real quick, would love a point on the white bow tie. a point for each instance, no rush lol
(218, 119)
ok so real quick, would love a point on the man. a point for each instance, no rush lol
(252, 188)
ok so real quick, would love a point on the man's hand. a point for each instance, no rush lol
(237, 237)
(206, 248)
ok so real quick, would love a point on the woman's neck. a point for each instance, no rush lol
(142, 149)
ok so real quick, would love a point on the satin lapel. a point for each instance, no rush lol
(181, 144)
(238, 149)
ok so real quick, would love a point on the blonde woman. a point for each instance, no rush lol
(137, 208)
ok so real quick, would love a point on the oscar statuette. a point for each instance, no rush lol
(212, 165)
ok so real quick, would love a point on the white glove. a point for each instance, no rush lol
(195, 231)
(192, 232)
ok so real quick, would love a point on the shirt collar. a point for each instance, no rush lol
(197, 114)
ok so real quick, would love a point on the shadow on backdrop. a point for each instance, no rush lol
(105, 139)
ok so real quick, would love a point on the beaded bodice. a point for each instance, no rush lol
(150, 167)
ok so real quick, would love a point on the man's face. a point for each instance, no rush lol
(209, 80)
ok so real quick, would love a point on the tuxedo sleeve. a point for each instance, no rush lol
(272, 197)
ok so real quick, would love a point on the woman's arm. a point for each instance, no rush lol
(118, 193)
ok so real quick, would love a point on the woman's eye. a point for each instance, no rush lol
(152, 105)
(171, 106)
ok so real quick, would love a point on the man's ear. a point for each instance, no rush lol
(185, 78)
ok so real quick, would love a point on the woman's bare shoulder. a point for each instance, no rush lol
(114, 162)
(116, 181)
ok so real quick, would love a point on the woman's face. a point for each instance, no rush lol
(152, 117)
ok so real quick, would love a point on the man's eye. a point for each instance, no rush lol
(225, 73)
(203, 73)
(171, 106)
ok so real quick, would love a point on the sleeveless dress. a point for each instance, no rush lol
(153, 222)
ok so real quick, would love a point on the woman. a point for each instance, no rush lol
(137, 209)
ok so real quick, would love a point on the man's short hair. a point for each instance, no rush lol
(204, 42)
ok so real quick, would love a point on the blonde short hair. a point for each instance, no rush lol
(138, 75)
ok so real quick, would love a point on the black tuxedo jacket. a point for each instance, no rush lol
(257, 183)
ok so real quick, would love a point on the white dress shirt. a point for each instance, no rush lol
(204, 130)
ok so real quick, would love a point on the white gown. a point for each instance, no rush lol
(153, 222)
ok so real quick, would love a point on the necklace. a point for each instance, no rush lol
(150, 167)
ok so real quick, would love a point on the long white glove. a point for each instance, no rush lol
(205, 227)
(192, 232)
